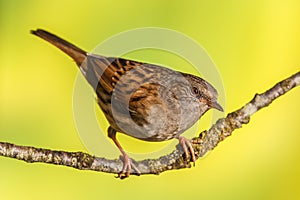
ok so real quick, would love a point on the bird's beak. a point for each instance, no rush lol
(216, 105)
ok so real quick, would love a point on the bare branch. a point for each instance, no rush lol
(206, 141)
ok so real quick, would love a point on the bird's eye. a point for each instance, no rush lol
(195, 90)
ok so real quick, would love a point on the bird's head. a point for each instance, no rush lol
(204, 92)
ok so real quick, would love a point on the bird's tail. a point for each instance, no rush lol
(74, 52)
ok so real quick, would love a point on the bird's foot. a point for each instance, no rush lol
(187, 146)
(127, 166)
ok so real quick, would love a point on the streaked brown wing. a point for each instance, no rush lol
(141, 102)
(107, 70)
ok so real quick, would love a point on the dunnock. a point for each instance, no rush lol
(145, 101)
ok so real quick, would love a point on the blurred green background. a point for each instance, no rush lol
(254, 44)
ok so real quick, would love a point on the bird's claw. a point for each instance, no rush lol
(127, 166)
(187, 146)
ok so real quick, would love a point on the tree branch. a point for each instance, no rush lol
(206, 141)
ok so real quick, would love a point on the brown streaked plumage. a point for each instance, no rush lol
(145, 101)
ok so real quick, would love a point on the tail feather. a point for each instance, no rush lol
(74, 52)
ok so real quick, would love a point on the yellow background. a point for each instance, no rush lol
(253, 43)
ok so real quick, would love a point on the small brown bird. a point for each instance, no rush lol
(145, 101)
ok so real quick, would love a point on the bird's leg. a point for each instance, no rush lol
(127, 162)
(187, 146)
